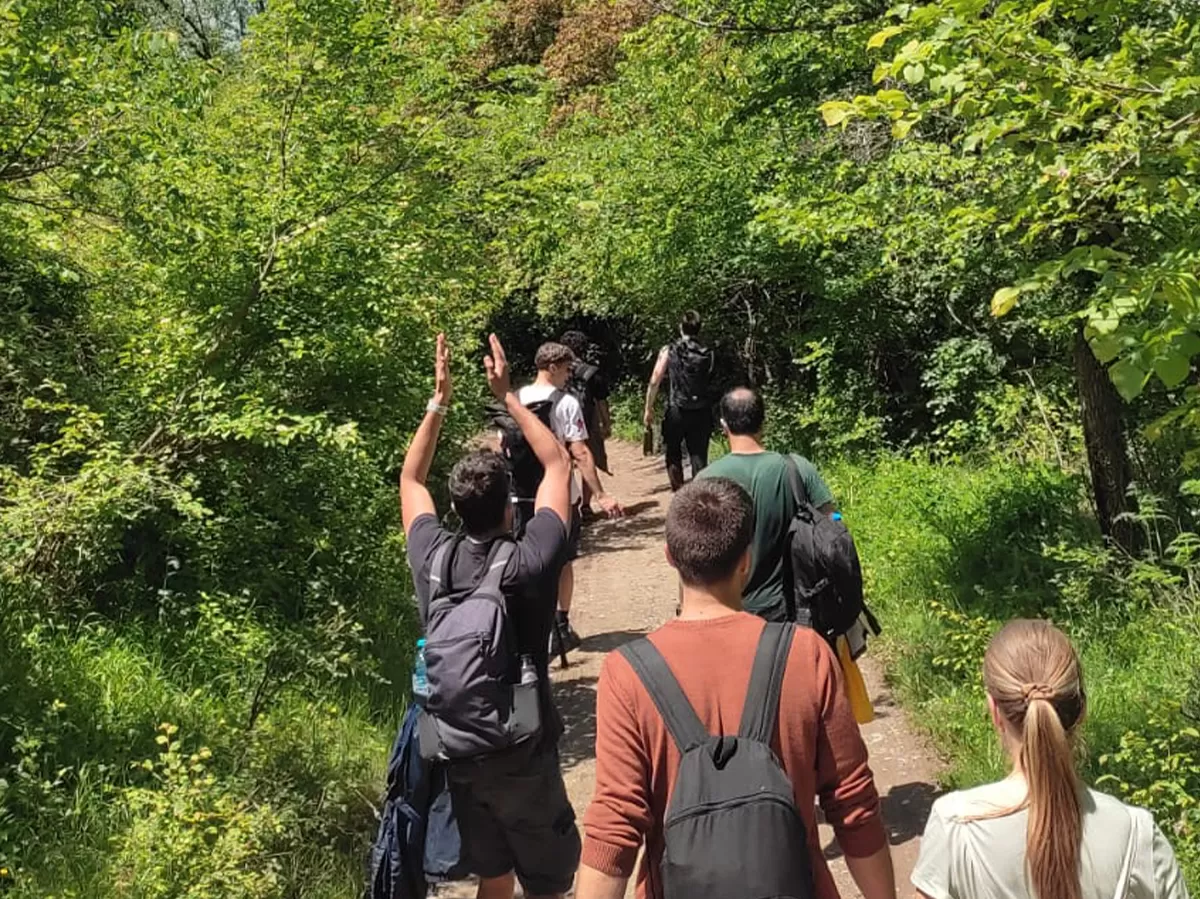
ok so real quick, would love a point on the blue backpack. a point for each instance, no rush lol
(418, 839)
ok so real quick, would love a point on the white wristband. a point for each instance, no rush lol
(437, 408)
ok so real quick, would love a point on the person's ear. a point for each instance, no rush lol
(725, 427)
(744, 565)
(997, 718)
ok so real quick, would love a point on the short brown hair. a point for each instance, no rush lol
(709, 527)
(552, 354)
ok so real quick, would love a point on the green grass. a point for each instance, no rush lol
(952, 551)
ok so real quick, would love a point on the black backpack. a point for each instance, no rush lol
(824, 573)
(527, 472)
(580, 387)
(732, 830)
(690, 366)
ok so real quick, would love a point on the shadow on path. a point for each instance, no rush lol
(576, 701)
(905, 810)
(610, 641)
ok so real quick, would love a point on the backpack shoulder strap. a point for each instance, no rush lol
(439, 568)
(439, 574)
(685, 727)
(498, 559)
(761, 712)
(799, 492)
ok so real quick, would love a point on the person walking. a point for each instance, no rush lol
(511, 805)
(764, 475)
(667, 713)
(591, 387)
(688, 366)
(1040, 832)
(554, 366)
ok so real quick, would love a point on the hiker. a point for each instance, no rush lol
(668, 738)
(1040, 832)
(764, 475)
(565, 416)
(589, 385)
(688, 367)
(511, 805)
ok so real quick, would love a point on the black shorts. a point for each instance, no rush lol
(514, 815)
(523, 512)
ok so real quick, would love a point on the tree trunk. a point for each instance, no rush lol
(1107, 454)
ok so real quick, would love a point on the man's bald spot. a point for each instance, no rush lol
(742, 412)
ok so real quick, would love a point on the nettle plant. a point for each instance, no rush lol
(1080, 117)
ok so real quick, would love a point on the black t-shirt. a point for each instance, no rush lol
(530, 582)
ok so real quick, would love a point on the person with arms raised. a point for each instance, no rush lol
(669, 742)
(511, 805)
(1041, 832)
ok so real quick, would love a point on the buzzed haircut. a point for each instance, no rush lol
(743, 412)
(552, 354)
(479, 489)
(709, 528)
(690, 323)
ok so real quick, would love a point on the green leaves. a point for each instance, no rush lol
(1128, 378)
(881, 37)
(836, 112)
(1004, 300)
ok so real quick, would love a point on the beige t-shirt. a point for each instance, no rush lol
(1124, 855)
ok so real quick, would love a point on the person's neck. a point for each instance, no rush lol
(543, 379)
(495, 534)
(702, 603)
(746, 444)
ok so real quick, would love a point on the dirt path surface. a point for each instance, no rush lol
(624, 589)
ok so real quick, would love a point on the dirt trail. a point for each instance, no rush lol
(624, 589)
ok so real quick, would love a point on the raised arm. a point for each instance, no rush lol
(415, 499)
(555, 490)
(656, 377)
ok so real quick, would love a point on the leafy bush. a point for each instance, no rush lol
(192, 836)
(951, 551)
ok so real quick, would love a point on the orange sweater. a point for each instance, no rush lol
(817, 740)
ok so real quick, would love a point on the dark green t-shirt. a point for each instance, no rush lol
(764, 476)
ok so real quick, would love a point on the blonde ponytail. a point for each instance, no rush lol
(1032, 673)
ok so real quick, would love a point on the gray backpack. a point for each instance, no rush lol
(732, 830)
(476, 703)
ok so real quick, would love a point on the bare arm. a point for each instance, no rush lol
(874, 875)
(415, 499)
(593, 884)
(656, 378)
(555, 490)
(586, 463)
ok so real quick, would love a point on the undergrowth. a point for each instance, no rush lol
(951, 551)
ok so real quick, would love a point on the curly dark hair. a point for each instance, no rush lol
(479, 489)
(577, 342)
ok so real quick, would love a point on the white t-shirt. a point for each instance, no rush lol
(566, 420)
(1124, 855)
